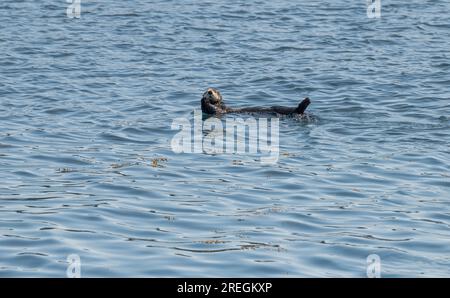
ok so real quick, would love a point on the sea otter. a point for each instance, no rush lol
(212, 104)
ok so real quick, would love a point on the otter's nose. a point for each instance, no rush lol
(210, 92)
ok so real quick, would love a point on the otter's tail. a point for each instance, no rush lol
(303, 105)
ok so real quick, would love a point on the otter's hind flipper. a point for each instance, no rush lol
(303, 105)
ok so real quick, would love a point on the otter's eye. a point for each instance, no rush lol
(210, 92)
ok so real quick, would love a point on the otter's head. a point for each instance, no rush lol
(213, 96)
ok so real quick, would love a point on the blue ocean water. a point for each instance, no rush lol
(87, 168)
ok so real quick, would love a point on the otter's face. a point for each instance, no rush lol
(213, 96)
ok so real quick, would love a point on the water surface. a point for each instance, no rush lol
(87, 106)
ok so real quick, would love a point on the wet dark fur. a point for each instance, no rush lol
(212, 104)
